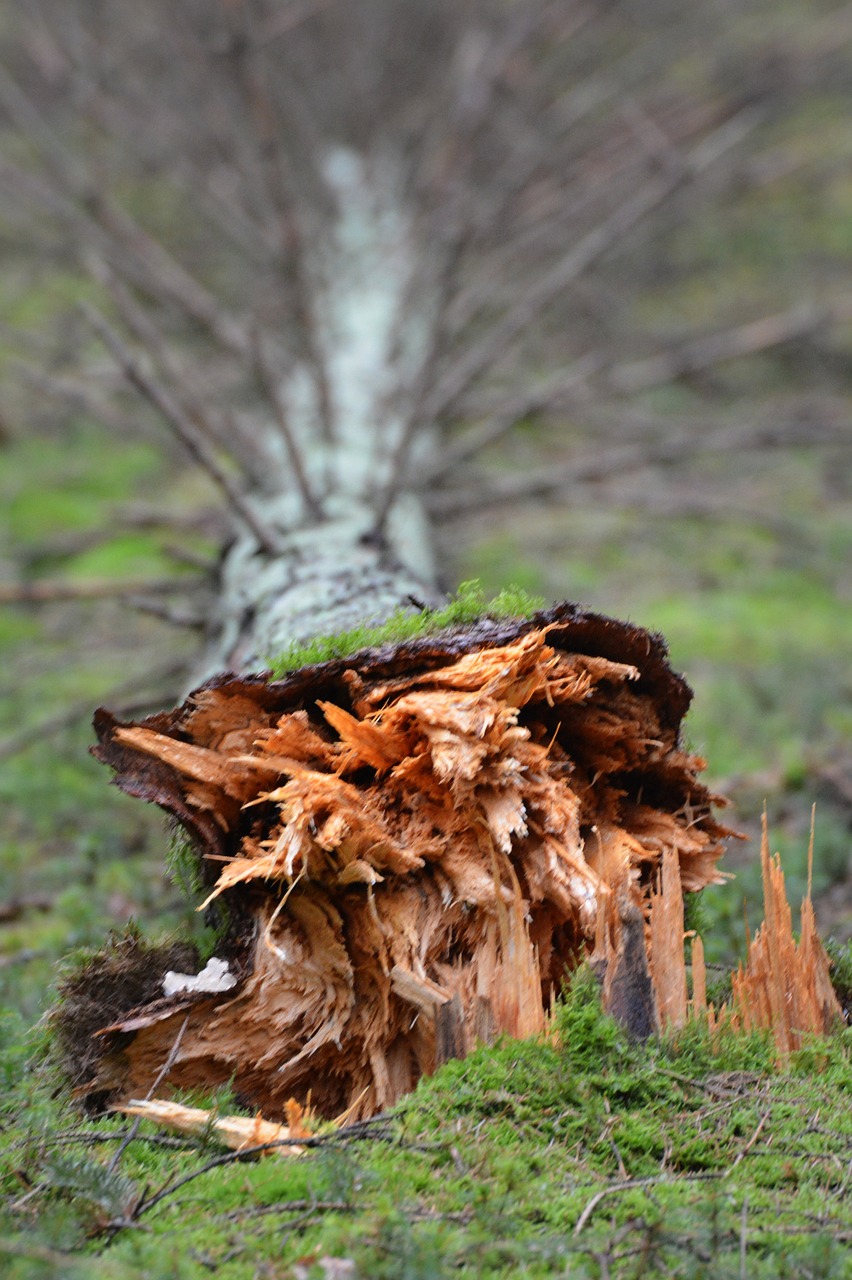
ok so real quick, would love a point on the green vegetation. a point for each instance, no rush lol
(467, 605)
(584, 1157)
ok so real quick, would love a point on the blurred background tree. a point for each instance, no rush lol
(554, 294)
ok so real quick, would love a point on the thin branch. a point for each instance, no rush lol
(10, 911)
(741, 340)
(71, 392)
(602, 465)
(90, 207)
(357, 1131)
(587, 251)
(175, 617)
(269, 382)
(226, 434)
(631, 1184)
(158, 1079)
(68, 717)
(498, 426)
(291, 259)
(48, 591)
(641, 375)
(181, 424)
(474, 94)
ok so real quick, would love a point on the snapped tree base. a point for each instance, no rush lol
(412, 847)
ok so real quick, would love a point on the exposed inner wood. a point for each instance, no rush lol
(414, 845)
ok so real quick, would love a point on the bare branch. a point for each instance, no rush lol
(269, 381)
(49, 592)
(479, 73)
(129, 697)
(220, 426)
(640, 375)
(602, 465)
(515, 411)
(187, 619)
(578, 260)
(271, 167)
(181, 424)
(93, 210)
(742, 340)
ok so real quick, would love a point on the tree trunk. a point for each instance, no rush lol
(409, 849)
(380, 232)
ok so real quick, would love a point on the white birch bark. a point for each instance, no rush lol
(334, 568)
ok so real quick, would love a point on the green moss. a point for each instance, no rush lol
(525, 1159)
(466, 606)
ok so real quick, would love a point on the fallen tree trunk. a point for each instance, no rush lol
(412, 847)
(385, 212)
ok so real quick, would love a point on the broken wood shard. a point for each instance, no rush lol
(239, 1133)
(784, 986)
(412, 847)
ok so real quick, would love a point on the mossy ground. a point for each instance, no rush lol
(586, 1157)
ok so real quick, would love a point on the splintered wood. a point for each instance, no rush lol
(412, 847)
(784, 986)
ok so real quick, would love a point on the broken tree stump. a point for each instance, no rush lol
(411, 847)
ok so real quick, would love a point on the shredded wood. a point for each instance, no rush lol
(413, 850)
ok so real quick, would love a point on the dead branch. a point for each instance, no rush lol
(743, 340)
(133, 695)
(578, 260)
(632, 1184)
(598, 466)
(269, 382)
(186, 430)
(50, 592)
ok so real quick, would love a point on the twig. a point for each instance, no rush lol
(230, 1158)
(473, 98)
(13, 910)
(355, 1132)
(743, 1222)
(588, 250)
(24, 956)
(752, 1140)
(631, 1184)
(181, 424)
(174, 616)
(69, 716)
(270, 385)
(510, 415)
(741, 340)
(49, 591)
(101, 221)
(599, 466)
(160, 1077)
(226, 434)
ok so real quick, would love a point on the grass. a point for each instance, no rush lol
(585, 1157)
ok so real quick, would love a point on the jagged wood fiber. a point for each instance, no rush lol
(413, 846)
